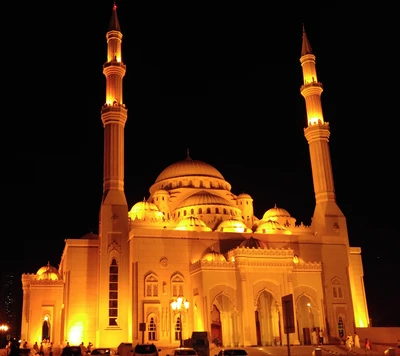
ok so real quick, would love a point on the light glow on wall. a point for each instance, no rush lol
(75, 334)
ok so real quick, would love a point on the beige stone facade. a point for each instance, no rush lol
(194, 238)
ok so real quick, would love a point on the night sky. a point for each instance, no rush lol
(222, 80)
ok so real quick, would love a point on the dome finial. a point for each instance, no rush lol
(187, 154)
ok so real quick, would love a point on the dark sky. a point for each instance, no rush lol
(220, 79)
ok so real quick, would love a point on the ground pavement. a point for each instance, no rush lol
(306, 350)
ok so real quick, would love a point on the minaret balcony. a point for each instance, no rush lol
(311, 85)
(114, 64)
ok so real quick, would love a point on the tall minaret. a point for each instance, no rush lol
(327, 214)
(113, 224)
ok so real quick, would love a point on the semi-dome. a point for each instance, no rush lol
(189, 167)
(192, 223)
(48, 272)
(203, 198)
(231, 225)
(252, 242)
(275, 213)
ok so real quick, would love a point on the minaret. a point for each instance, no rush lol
(317, 132)
(113, 224)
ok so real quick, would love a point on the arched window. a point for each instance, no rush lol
(341, 327)
(337, 288)
(152, 329)
(113, 293)
(178, 328)
(151, 285)
(177, 284)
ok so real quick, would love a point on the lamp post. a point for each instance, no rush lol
(179, 306)
(3, 330)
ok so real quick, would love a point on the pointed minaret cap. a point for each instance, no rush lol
(305, 47)
(114, 23)
(188, 158)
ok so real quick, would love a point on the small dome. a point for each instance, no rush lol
(275, 213)
(90, 236)
(244, 196)
(270, 226)
(48, 273)
(203, 198)
(232, 225)
(192, 223)
(214, 256)
(253, 243)
(189, 167)
(145, 210)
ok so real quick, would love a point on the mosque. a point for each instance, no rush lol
(194, 257)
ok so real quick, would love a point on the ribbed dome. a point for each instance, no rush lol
(188, 167)
(192, 223)
(214, 256)
(144, 205)
(274, 213)
(203, 198)
(48, 273)
(145, 210)
(270, 226)
(232, 225)
(253, 243)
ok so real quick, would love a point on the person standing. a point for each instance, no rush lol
(51, 349)
(36, 348)
(321, 337)
(349, 345)
(314, 339)
(356, 340)
(367, 346)
(41, 349)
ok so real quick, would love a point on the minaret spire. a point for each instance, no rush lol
(317, 134)
(113, 220)
(114, 113)
(114, 23)
(305, 47)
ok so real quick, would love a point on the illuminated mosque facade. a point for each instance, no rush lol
(194, 238)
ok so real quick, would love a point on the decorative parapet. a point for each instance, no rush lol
(46, 282)
(33, 279)
(260, 252)
(308, 266)
(211, 265)
(301, 228)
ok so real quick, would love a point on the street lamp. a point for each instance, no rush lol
(3, 330)
(178, 306)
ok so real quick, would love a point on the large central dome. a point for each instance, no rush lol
(189, 167)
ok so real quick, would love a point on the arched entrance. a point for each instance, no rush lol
(267, 320)
(224, 322)
(46, 329)
(307, 320)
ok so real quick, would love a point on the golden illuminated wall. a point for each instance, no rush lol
(356, 272)
(80, 266)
